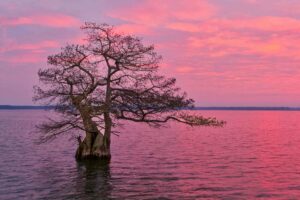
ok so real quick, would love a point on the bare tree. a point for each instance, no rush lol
(111, 78)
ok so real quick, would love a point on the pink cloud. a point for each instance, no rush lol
(185, 69)
(266, 36)
(27, 52)
(221, 45)
(12, 46)
(58, 20)
(25, 57)
(153, 13)
(251, 1)
(230, 37)
(134, 29)
(266, 23)
(183, 26)
(277, 8)
(42, 45)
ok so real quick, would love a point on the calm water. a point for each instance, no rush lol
(257, 155)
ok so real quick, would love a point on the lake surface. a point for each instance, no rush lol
(255, 156)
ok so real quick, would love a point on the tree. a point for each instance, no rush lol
(112, 77)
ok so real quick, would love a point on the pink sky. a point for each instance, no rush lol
(222, 52)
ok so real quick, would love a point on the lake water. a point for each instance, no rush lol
(256, 155)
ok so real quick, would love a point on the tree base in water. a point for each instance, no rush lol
(92, 157)
(93, 148)
(97, 154)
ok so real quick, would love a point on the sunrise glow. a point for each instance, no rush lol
(223, 53)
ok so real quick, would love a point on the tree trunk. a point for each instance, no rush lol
(94, 146)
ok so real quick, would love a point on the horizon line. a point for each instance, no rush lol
(287, 108)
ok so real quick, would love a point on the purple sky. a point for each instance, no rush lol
(222, 52)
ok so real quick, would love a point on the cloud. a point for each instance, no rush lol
(26, 52)
(56, 20)
(21, 41)
(251, 1)
(134, 29)
(264, 23)
(232, 44)
(185, 69)
(186, 27)
(265, 36)
(31, 46)
(244, 52)
(22, 57)
(154, 13)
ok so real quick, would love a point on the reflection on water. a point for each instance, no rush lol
(93, 180)
(257, 155)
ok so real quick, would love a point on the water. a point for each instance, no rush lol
(257, 155)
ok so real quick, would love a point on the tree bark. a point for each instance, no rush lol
(95, 145)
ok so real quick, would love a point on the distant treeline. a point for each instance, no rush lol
(13, 107)
(247, 108)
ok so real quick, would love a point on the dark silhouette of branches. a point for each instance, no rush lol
(112, 77)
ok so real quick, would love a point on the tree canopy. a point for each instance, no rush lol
(112, 77)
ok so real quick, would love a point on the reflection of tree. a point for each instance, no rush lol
(94, 180)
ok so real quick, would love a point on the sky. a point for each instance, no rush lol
(222, 52)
